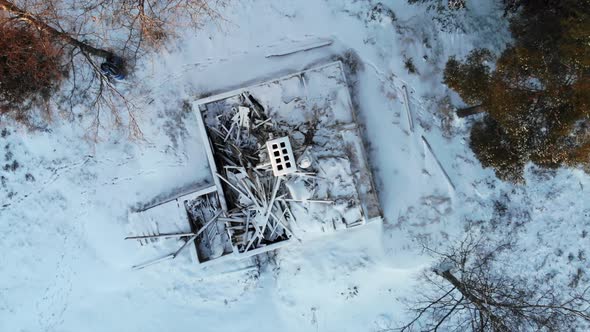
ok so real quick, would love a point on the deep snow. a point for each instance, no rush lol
(63, 210)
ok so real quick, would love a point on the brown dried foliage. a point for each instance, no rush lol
(536, 95)
(30, 69)
(89, 32)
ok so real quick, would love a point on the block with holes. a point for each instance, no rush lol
(281, 156)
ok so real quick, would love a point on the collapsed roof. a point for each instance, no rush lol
(288, 162)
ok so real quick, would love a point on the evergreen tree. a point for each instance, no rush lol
(537, 95)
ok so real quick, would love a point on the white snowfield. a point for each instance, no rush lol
(64, 263)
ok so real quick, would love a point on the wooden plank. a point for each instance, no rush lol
(468, 111)
(407, 106)
(321, 201)
(438, 162)
(158, 236)
(302, 48)
(152, 262)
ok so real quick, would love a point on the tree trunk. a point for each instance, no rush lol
(63, 36)
(480, 304)
(467, 111)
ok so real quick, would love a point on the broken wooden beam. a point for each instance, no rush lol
(438, 162)
(321, 201)
(303, 48)
(152, 262)
(192, 239)
(407, 106)
(468, 111)
(139, 237)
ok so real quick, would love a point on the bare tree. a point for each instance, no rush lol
(100, 39)
(124, 25)
(472, 292)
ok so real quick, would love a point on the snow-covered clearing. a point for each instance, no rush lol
(64, 265)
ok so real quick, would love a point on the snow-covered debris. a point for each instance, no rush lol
(263, 207)
(313, 109)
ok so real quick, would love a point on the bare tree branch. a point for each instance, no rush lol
(483, 298)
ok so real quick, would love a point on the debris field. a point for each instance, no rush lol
(288, 162)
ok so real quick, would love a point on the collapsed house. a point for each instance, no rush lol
(287, 162)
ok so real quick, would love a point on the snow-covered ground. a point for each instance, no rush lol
(64, 265)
